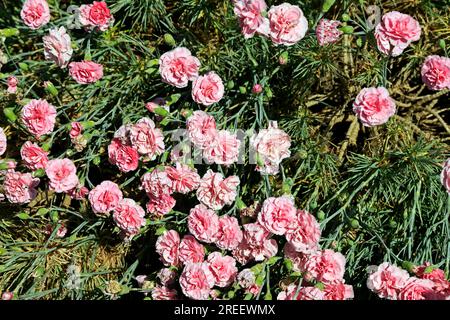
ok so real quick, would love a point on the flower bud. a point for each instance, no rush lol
(169, 40)
(46, 146)
(87, 124)
(186, 113)
(161, 111)
(320, 215)
(283, 58)
(240, 204)
(39, 173)
(269, 93)
(10, 115)
(347, 29)
(50, 88)
(96, 161)
(327, 5)
(257, 89)
(10, 32)
(7, 295)
(359, 42)
(354, 224)
(23, 66)
(442, 44)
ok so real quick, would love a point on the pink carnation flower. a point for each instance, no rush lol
(201, 129)
(35, 13)
(20, 187)
(255, 234)
(287, 23)
(123, 156)
(86, 72)
(436, 72)
(298, 259)
(395, 33)
(58, 47)
(203, 223)
(75, 129)
(387, 280)
(327, 31)
(416, 289)
(191, 251)
(272, 146)
(39, 117)
(160, 205)
(167, 247)
(105, 197)
(224, 149)
(229, 234)
(326, 266)
(445, 175)
(96, 15)
(7, 295)
(427, 271)
(246, 278)
(3, 142)
(278, 214)
(208, 89)
(184, 179)
(374, 106)
(33, 156)
(78, 193)
(255, 244)
(304, 233)
(164, 293)
(157, 103)
(197, 280)
(215, 191)
(62, 174)
(129, 216)
(12, 83)
(178, 67)
(223, 269)
(441, 286)
(156, 183)
(147, 139)
(123, 134)
(166, 276)
(250, 15)
(338, 291)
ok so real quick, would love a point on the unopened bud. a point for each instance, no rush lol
(347, 29)
(169, 40)
(10, 32)
(10, 115)
(257, 89)
(50, 88)
(284, 58)
(327, 5)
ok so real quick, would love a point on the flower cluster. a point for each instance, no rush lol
(391, 282)
(142, 140)
(217, 146)
(58, 45)
(285, 24)
(178, 67)
(255, 242)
